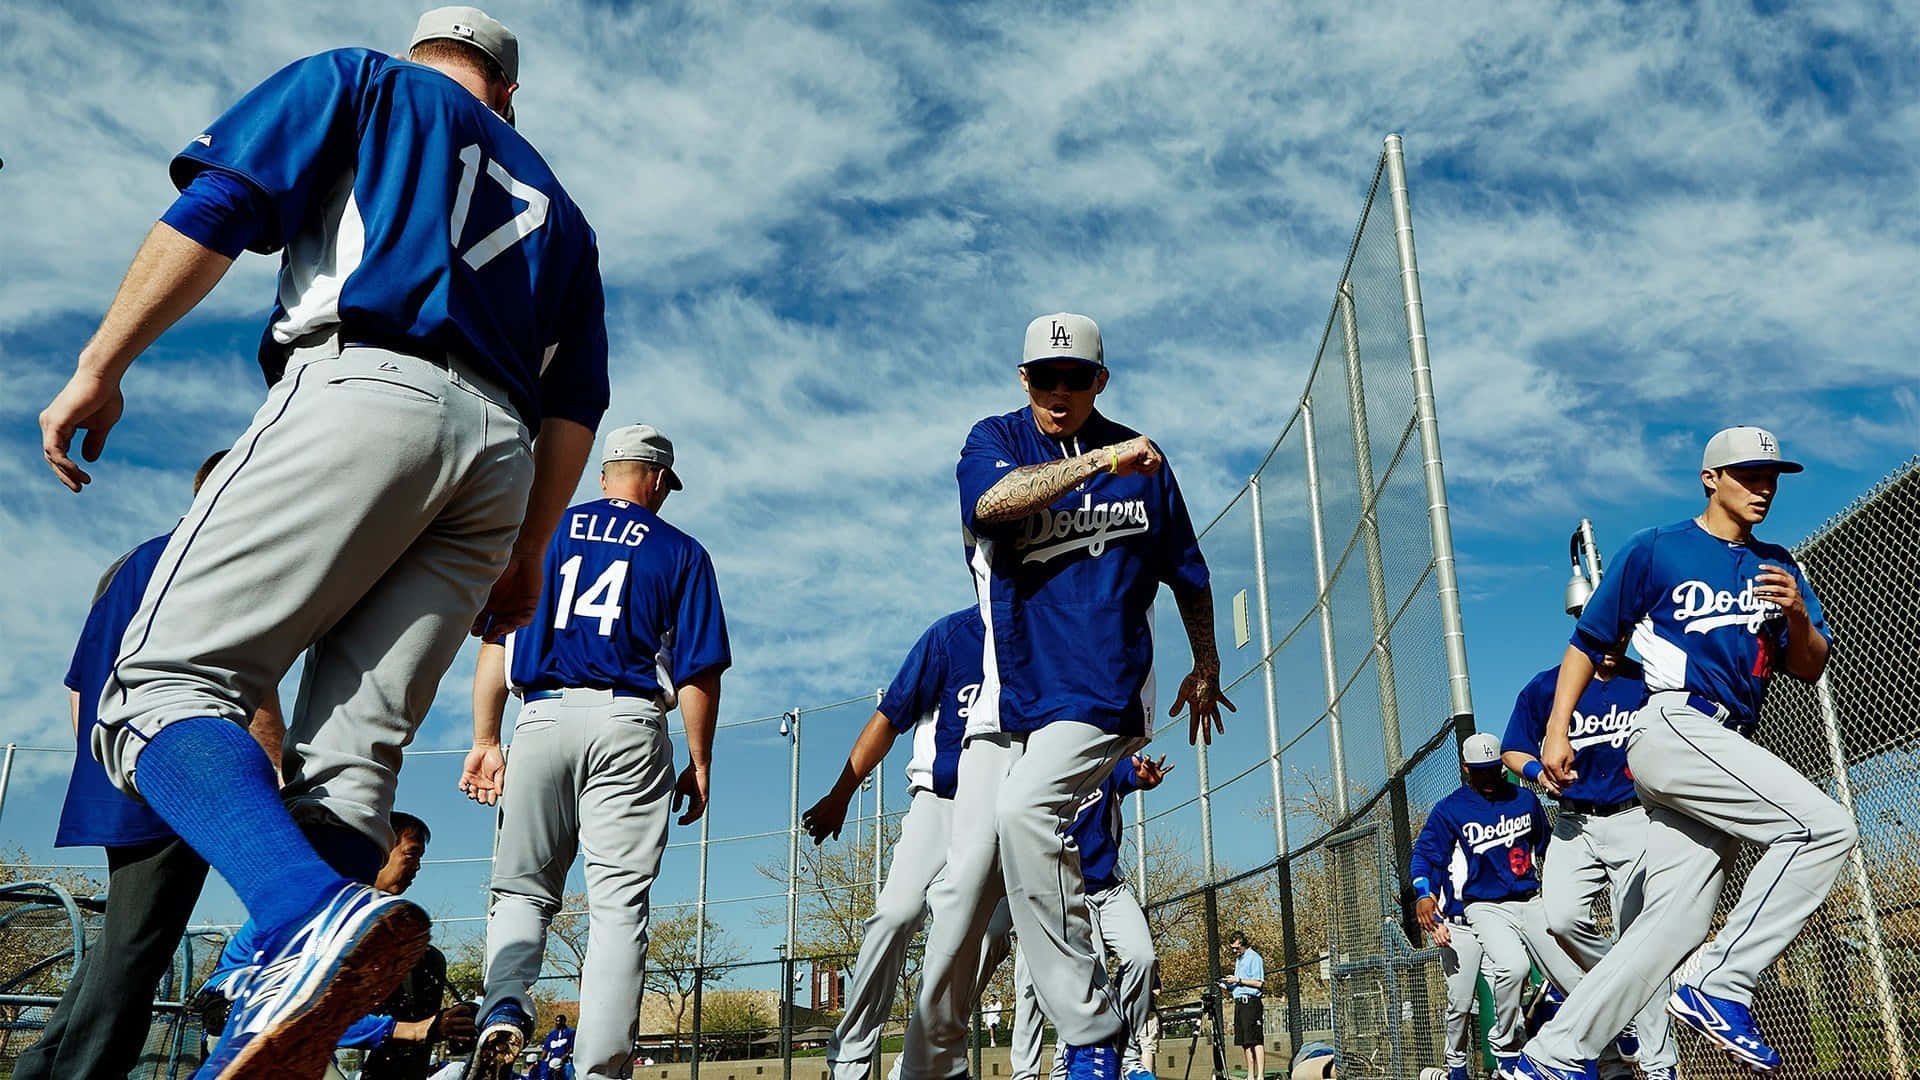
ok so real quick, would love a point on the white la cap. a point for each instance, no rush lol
(643, 443)
(1748, 446)
(1480, 749)
(1063, 336)
(476, 28)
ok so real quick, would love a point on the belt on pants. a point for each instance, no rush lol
(587, 695)
(1711, 709)
(1595, 809)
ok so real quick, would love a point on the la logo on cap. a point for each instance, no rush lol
(1767, 445)
(1061, 338)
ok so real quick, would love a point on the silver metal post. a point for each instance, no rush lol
(6, 774)
(1140, 843)
(1266, 671)
(1336, 740)
(1453, 634)
(699, 950)
(879, 817)
(1206, 809)
(1862, 883)
(793, 899)
(1370, 532)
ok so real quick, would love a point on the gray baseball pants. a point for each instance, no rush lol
(594, 773)
(1118, 924)
(1513, 937)
(1707, 789)
(919, 857)
(1460, 963)
(1020, 793)
(364, 514)
(1589, 854)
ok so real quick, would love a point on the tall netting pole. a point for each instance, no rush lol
(1274, 775)
(1336, 739)
(1370, 531)
(1862, 882)
(699, 950)
(1453, 634)
(793, 902)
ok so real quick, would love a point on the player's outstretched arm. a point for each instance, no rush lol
(1200, 690)
(1033, 487)
(559, 454)
(1556, 749)
(170, 274)
(825, 818)
(484, 775)
(699, 711)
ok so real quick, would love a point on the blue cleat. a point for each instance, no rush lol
(502, 1035)
(1628, 1043)
(1503, 1066)
(1098, 1062)
(1141, 1074)
(1526, 1068)
(335, 967)
(1726, 1024)
(1459, 1072)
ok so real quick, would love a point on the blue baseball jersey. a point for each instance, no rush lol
(411, 217)
(1598, 730)
(1067, 592)
(630, 604)
(1097, 830)
(1484, 848)
(555, 1048)
(96, 812)
(1687, 597)
(932, 694)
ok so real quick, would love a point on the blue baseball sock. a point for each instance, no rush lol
(214, 785)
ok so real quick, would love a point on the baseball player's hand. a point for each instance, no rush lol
(87, 401)
(1427, 910)
(1773, 584)
(514, 599)
(825, 818)
(1442, 935)
(1200, 692)
(456, 1025)
(692, 787)
(484, 776)
(1556, 760)
(1148, 772)
(1135, 457)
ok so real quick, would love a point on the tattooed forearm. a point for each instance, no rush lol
(1196, 611)
(1033, 487)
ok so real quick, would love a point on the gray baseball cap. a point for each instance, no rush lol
(1480, 750)
(642, 443)
(1745, 446)
(1063, 336)
(476, 28)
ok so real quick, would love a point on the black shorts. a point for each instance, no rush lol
(1249, 1021)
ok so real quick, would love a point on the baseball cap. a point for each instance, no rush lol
(1063, 336)
(642, 443)
(1480, 749)
(476, 28)
(1745, 446)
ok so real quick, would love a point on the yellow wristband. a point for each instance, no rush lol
(1114, 468)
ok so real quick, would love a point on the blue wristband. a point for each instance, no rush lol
(1531, 770)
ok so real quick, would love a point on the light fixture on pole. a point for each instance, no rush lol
(1585, 579)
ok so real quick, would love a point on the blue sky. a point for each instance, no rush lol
(823, 228)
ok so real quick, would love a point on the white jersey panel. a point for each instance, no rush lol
(318, 262)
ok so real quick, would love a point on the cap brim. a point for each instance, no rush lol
(1071, 359)
(673, 479)
(1484, 764)
(1765, 463)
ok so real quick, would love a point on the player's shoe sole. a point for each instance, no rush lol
(355, 953)
(1697, 1011)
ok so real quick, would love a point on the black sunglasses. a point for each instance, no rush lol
(1075, 378)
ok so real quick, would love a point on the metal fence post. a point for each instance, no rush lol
(793, 900)
(6, 773)
(879, 818)
(1266, 670)
(1336, 740)
(1453, 634)
(1140, 842)
(1370, 531)
(699, 951)
(1862, 883)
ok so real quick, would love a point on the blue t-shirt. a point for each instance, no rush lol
(1598, 730)
(1484, 848)
(412, 217)
(557, 1045)
(1687, 596)
(1068, 591)
(932, 694)
(630, 603)
(1248, 966)
(1097, 830)
(96, 812)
